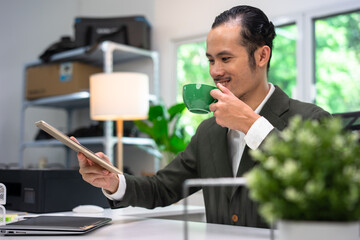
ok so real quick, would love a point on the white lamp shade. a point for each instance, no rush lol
(119, 95)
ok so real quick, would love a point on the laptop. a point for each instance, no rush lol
(54, 225)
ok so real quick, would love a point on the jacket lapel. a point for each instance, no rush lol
(277, 105)
(220, 157)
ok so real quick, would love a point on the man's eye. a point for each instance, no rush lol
(225, 59)
(211, 60)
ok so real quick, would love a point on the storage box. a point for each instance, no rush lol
(58, 79)
(41, 191)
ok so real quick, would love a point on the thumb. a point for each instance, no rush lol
(74, 139)
(83, 162)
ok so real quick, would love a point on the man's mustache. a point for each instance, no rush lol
(222, 79)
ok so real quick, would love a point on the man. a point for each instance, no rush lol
(239, 47)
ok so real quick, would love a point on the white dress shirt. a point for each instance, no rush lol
(236, 143)
(256, 134)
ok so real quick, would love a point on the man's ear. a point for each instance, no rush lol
(262, 55)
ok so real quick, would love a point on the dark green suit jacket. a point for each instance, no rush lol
(206, 156)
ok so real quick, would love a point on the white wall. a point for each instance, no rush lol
(27, 28)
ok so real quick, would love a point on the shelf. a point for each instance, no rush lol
(95, 55)
(91, 141)
(73, 100)
(105, 55)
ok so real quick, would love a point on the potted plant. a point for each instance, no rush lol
(308, 178)
(163, 127)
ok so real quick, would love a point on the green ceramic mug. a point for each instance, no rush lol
(197, 97)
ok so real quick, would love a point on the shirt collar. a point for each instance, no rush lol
(272, 89)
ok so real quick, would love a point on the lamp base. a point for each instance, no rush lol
(119, 133)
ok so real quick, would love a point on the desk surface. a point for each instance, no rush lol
(136, 223)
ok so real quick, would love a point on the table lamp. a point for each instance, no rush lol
(119, 96)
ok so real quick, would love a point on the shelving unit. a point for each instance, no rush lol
(106, 54)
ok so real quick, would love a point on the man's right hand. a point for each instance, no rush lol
(231, 112)
(97, 175)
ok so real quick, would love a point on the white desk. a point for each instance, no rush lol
(136, 223)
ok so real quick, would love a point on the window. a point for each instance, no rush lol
(283, 71)
(337, 62)
(192, 67)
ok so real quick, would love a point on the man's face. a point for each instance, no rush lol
(229, 62)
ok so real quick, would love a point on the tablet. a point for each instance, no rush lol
(76, 146)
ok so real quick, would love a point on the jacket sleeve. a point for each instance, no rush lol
(166, 186)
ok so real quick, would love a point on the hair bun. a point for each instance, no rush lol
(271, 31)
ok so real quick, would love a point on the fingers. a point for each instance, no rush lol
(99, 177)
(74, 139)
(83, 162)
(95, 174)
(106, 158)
(109, 182)
(88, 166)
(212, 107)
(103, 156)
(220, 92)
(222, 88)
(216, 93)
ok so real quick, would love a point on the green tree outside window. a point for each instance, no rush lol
(337, 62)
(283, 69)
(192, 67)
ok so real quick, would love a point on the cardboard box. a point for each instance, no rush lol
(58, 79)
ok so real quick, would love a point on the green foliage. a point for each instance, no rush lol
(310, 171)
(283, 69)
(337, 62)
(192, 67)
(162, 126)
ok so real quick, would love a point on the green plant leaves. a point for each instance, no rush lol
(176, 110)
(310, 171)
(158, 111)
(162, 126)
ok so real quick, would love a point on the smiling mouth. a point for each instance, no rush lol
(224, 81)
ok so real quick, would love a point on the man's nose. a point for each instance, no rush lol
(216, 70)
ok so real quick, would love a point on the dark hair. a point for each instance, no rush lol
(256, 29)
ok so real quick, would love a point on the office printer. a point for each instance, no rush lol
(41, 191)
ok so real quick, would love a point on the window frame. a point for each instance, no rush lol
(296, 20)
